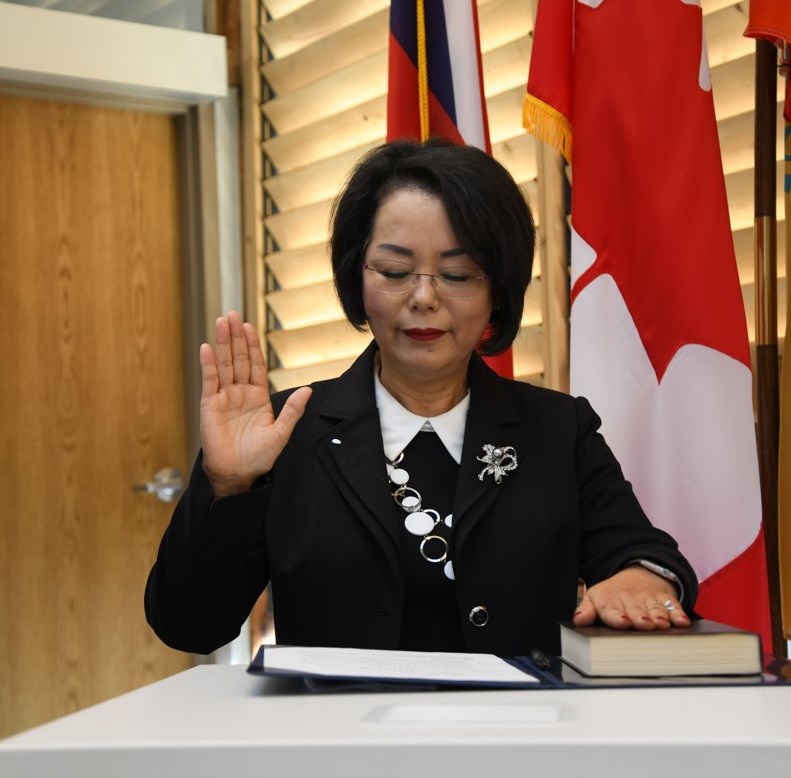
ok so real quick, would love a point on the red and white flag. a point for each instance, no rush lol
(435, 83)
(658, 333)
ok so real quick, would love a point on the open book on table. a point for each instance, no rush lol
(377, 666)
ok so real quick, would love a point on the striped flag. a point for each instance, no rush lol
(771, 19)
(435, 83)
(658, 332)
(435, 78)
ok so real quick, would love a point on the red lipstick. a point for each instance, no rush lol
(423, 334)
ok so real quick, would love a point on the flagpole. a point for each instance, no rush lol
(767, 389)
(553, 257)
(784, 454)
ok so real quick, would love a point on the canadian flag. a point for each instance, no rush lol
(658, 332)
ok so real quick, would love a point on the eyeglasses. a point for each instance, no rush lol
(453, 282)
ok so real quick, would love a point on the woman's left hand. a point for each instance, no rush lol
(633, 598)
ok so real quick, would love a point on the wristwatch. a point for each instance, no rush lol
(668, 575)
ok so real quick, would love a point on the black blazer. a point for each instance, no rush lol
(321, 528)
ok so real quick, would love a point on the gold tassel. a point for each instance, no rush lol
(547, 124)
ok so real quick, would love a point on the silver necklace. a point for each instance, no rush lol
(420, 521)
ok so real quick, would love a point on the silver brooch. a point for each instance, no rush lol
(499, 461)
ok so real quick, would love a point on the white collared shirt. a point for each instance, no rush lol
(399, 425)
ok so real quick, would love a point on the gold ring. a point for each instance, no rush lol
(655, 604)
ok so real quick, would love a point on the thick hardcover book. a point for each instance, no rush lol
(706, 648)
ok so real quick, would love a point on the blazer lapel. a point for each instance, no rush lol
(350, 447)
(491, 419)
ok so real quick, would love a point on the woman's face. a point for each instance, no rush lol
(426, 332)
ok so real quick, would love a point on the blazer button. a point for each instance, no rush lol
(479, 616)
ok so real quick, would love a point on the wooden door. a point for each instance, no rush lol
(92, 399)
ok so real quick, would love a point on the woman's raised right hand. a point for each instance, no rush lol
(240, 435)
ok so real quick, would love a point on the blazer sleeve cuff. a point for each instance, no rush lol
(661, 571)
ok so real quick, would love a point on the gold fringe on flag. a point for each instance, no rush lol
(422, 72)
(547, 124)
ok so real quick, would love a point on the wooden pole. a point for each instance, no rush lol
(553, 256)
(784, 475)
(767, 388)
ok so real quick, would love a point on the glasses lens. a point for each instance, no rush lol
(456, 283)
(390, 278)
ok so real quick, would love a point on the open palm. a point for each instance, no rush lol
(240, 435)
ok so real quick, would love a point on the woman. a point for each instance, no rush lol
(419, 501)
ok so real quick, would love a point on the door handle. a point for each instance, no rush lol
(167, 484)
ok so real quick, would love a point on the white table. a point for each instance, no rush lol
(214, 721)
